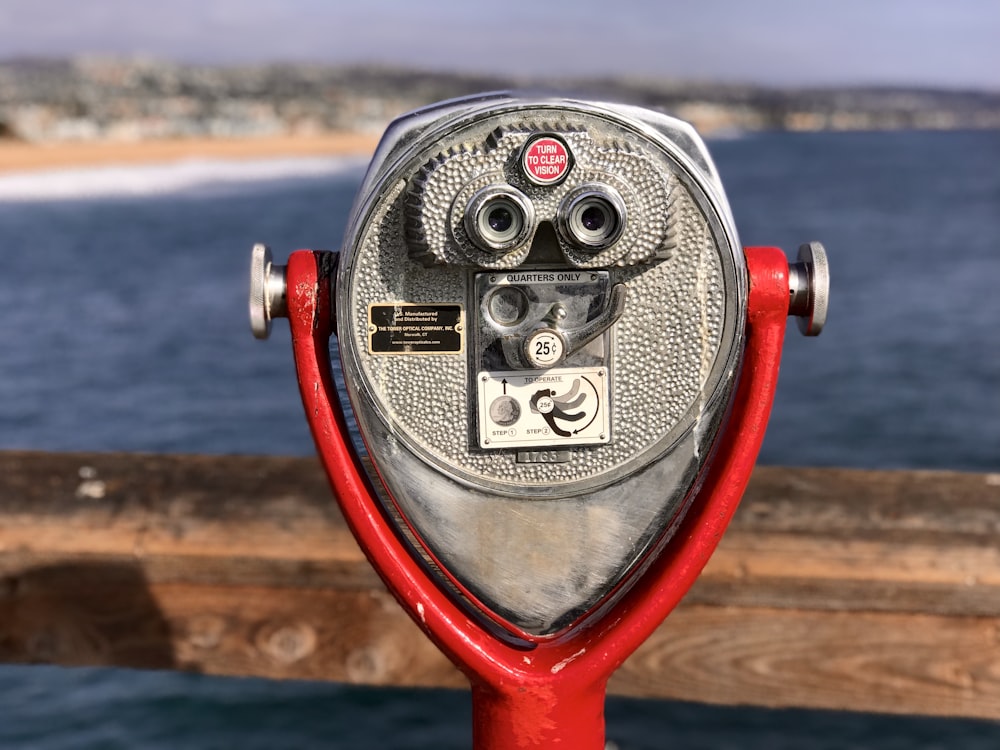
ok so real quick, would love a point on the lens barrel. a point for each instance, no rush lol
(499, 218)
(592, 217)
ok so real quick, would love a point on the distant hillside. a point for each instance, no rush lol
(59, 100)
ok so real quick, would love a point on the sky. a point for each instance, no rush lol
(936, 43)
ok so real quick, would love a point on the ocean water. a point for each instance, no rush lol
(126, 329)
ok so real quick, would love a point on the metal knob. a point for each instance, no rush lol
(809, 288)
(268, 291)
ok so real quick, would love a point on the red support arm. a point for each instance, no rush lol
(551, 695)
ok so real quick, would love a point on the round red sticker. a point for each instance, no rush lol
(546, 160)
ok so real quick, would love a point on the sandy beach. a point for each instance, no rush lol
(17, 156)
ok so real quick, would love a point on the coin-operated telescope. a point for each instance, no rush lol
(561, 363)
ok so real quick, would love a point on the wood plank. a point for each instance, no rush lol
(223, 519)
(834, 588)
(842, 539)
(107, 615)
(860, 661)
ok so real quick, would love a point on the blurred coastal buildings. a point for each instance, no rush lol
(115, 100)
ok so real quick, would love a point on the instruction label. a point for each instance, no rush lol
(405, 328)
(546, 160)
(558, 407)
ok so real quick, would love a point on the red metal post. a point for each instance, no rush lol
(552, 693)
(544, 715)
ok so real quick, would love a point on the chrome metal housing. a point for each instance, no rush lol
(536, 537)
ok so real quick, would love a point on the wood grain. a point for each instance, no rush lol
(834, 588)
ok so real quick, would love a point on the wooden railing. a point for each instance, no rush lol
(834, 588)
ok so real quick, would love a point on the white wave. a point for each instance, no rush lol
(156, 179)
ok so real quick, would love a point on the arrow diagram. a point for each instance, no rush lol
(597, 408)
(553, 407)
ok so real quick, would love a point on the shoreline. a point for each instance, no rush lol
(20, 157)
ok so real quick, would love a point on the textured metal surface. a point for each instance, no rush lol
(539, 544)
(669, 339)
(445, 184)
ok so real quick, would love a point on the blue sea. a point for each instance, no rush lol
(125, 329)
